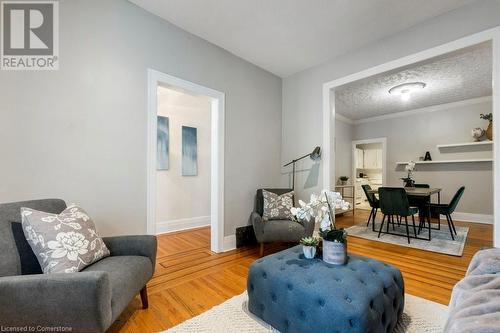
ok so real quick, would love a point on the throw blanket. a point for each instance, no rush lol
(475, 300)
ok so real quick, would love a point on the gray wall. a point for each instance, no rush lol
(80, 133)
(410, 137)
(343, 149)
(302, 92)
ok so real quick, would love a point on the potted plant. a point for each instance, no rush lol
(322, 209)
(343, 180)
(489, 130)
(410, 167)
(309, 245)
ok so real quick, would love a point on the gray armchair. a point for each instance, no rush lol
(87, 301)
(277, 230)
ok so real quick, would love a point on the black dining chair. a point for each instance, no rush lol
(448, 209)
(374, 204)
(422, 185)
(421, 203)
(394, 201)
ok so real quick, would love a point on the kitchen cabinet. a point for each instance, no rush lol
(359, 158)
(372, 159)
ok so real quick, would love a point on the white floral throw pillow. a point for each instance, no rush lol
(277, 207)
(63, 243)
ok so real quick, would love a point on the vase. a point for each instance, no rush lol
(334, 253)
(489, 131)
(309, 251)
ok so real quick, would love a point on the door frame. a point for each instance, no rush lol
(492, 35)
(383, 141)
(156, 78)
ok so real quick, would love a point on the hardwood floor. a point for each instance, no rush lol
(189, 279)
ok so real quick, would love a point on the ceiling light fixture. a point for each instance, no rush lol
(406, 89)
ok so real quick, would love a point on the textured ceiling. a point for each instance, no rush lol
(287, 36)
(456, 76)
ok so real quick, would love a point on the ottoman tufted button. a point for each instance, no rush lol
(251, 287)
(264, 275)
(371, 304)
(310, 281)
(289, 286)
(302, 314)
(282, 268)
(347, 299)
(353, 269)
(321, 302)
(351, 322)
(273, 297)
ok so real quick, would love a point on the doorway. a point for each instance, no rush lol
(157, 82)
(329, 111)
(369, 167)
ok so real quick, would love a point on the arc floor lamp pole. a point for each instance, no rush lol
(314, 155)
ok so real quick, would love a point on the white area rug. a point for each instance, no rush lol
(441, 241)
(420, 316)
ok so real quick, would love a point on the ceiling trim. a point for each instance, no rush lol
(427, 109)
(344, 119)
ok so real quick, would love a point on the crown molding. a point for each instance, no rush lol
(408, 113)
(344, 119)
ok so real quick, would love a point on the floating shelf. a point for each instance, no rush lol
(466, 144)
(450, 161)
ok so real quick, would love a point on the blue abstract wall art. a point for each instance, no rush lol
(162, 144)
(189, 151)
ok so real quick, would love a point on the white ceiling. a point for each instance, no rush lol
(456, 76)
(287, 36)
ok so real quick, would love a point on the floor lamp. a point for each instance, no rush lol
(314, 155)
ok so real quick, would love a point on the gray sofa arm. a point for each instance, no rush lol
(309, 226)
(141, 245)
(258, 226)
(80, 300)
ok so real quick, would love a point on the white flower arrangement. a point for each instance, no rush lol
(410, 167)
(322, 207)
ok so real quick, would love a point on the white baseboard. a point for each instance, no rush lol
(183, 224)
(229, 243)
(470, 217)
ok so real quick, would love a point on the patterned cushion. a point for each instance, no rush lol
(277, 207)
(63, 243)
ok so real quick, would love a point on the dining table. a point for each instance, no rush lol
(422, 196)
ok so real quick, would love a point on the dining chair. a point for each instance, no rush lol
(394, 201)
(448, 209)
(422, 185)
(374, 204)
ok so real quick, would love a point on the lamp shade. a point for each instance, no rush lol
(316, 154)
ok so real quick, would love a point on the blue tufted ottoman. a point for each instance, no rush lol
(294, 294)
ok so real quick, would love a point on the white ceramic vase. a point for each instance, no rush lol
(309, 251)
(334, 253)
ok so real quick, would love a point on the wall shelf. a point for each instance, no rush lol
(450, 161)
(465, 144)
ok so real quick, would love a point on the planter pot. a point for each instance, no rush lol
(489, 131)
(309, 251)
(334, 252)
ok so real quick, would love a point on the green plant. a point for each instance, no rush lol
(334, 235)
(344, 178)
(309, 241)
(488, 116)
